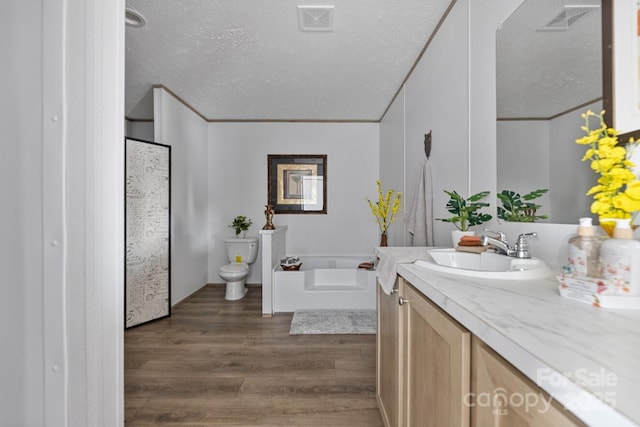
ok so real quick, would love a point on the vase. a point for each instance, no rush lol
(383, 240)
(268, 213)
(456, 235)
(241, 235)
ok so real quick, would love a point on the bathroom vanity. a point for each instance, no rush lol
(466, 351)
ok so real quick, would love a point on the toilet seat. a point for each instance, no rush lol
(234, 267)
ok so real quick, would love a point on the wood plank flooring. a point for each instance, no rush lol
(220, 363)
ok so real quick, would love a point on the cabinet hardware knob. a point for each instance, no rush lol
(394, 291)
(402, 301)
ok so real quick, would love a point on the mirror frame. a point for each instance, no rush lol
(607, 70)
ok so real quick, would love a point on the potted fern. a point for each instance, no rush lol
(466, 213)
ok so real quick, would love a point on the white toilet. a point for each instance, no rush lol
(241, 253)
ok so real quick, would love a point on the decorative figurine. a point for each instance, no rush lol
(268, 213)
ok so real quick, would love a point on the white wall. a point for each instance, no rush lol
(543, 154)
(392, 157)
(437, 99)
(140, 130)
(21, 317)
(238, 186)
(452, 93)
(570, 177)
(186, 133)
(94, 83)
(62, 246)
(523, 159)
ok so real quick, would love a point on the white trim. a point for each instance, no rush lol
(53, 205)
(626, 106)
(101, 66)
(105, 213)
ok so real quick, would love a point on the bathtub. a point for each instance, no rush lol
(325, 283)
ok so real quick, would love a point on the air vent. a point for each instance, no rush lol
(567, 17)
(315, 18)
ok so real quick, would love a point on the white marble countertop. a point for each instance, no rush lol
(586, 358)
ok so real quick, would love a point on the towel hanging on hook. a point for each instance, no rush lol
(427, 144)
(420, 214)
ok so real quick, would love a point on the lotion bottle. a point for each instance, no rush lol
(584, 251)
(620, 261)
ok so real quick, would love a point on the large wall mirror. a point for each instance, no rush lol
(549, 71)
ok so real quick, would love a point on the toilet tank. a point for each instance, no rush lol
(242, 250)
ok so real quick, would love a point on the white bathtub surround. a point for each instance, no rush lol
(321, 283)
(325, 283)
(314, 322)
(274, 248)
(588, 359)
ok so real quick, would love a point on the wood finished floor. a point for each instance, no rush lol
(220, 363)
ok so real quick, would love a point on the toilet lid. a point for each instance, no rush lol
(234, 267)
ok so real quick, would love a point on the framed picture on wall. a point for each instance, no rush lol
(297, 183)
(621, 66)
(147, 232)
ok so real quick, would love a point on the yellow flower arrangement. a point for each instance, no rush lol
(384, 210)
(617, 193)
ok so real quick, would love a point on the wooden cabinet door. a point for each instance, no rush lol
(502, 396)
(436, 360)
(388, 356)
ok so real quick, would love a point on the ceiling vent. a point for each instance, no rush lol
(315, 18)
(567, 17)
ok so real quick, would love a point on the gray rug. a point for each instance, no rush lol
(312, 322)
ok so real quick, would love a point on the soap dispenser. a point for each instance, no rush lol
(620, 261)
(584, 250)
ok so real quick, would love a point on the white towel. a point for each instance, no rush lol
(387, 267)
(420, 220)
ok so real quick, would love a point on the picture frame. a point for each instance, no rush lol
(147, 272)
(621, 70)
(297, 183)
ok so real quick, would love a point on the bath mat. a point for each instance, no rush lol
(315, 322)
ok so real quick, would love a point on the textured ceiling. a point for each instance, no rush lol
(542, 74)
(247, 59)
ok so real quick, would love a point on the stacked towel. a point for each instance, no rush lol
(470, 241)
(470, 244)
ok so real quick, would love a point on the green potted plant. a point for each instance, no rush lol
(518, 208)
(241, 224)
(466, 213)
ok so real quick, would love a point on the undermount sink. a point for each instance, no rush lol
(488, 265)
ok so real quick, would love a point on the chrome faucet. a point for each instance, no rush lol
(500, 244)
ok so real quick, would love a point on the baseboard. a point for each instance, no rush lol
(248, 285)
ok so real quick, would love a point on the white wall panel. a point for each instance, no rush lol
(238, 186)
(186, 133)
(392, 158)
